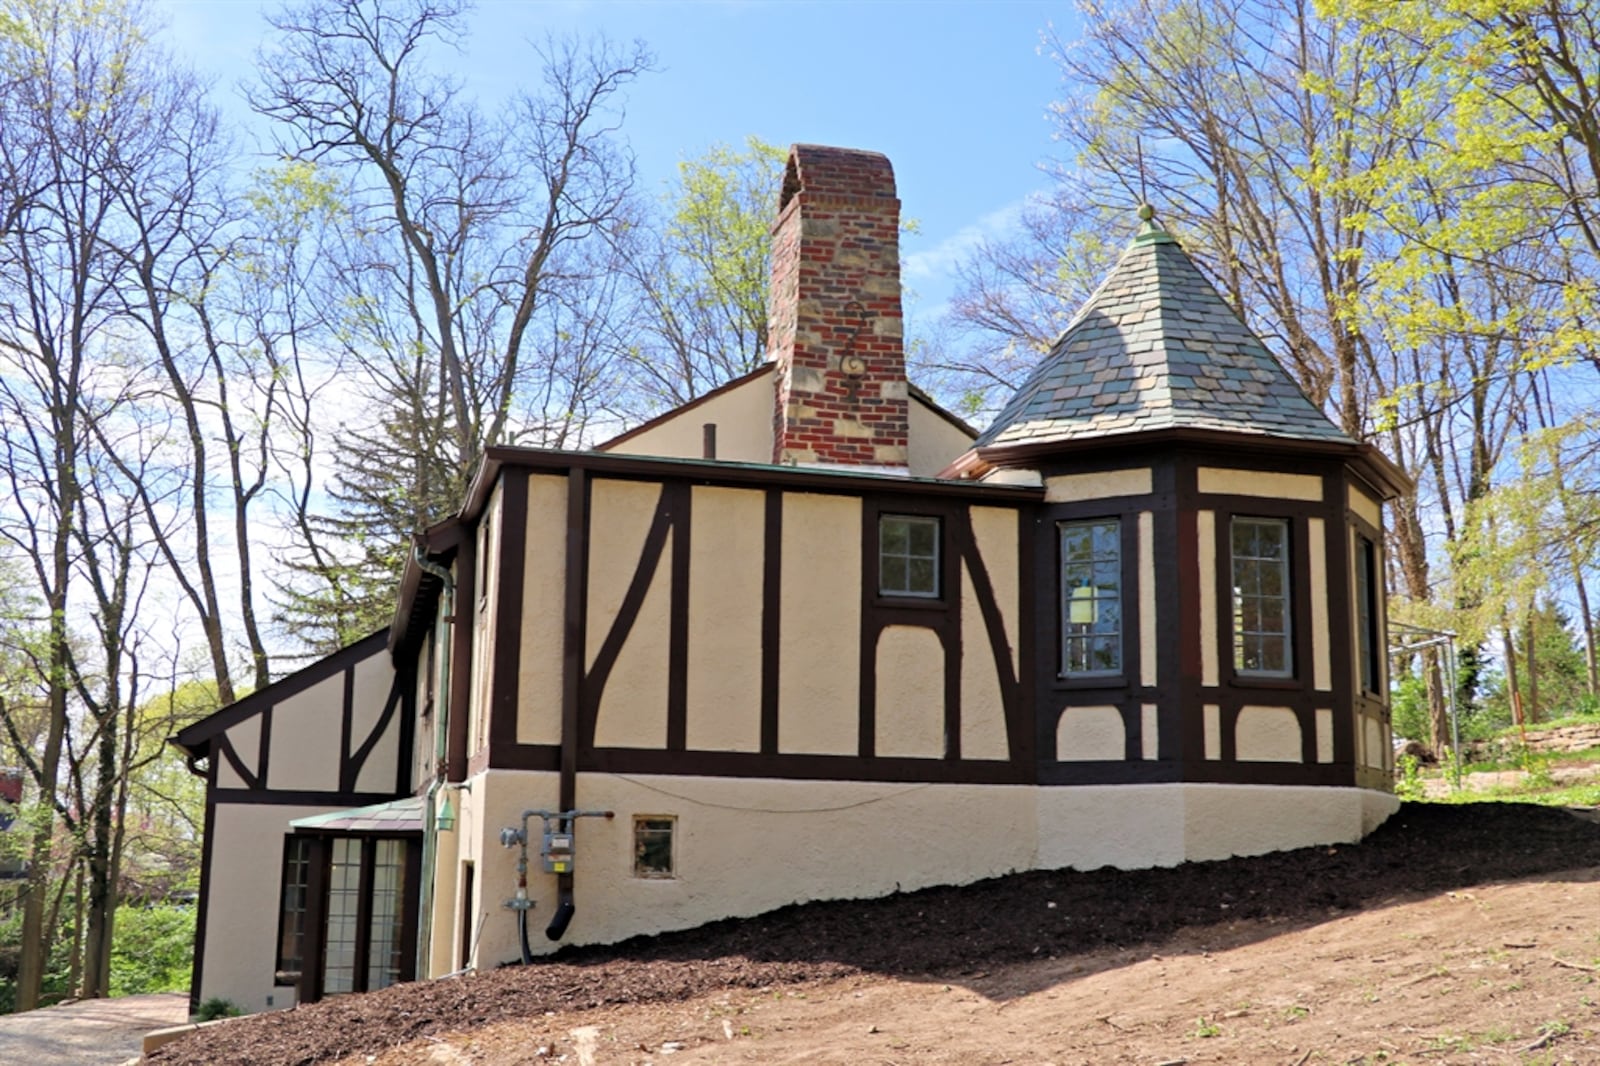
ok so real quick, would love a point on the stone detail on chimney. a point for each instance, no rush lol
(835, 328)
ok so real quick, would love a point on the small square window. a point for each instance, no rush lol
(908, 556)
(652, 846)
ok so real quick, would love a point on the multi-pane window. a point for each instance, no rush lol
(1091, 597)
(1261, 597)
(652, 846)
(908, 556)
(344, 908)
(292, 913)
(1367, 614)
(386, 951)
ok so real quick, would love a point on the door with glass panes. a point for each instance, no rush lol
(349, 913)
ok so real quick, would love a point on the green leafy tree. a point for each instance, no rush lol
(701, 273)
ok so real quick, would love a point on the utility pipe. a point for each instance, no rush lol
(443, 616)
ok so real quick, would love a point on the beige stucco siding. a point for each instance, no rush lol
(1321, 644)
(726, 558)
(983, 715)
(1368, 508)
(1223, 821)
(742, 415)
(305, 738)
(374, 680)
(1206, 547)
(1149, 731)
(486, 600)
(1072, 488)
(633, 706)
(1147, 600)
(1267, 734)
(934, 441)
(910, 698)
(245, 875)
(1091, 733)
(544, 594)
(983, 723)
(994, 530)
(820, 623)
(245, 740)
(744, 846)
(1324, 734)
(1262, 483)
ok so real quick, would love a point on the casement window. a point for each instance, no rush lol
(1367, 650)
(1091, 598)
(292, 909)
(908, 556)
(652, 846)
(1261, 602)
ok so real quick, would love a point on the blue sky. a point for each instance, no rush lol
(954, 92)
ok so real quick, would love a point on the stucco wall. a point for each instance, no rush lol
(305, 738)
(818, 673)
(633, 706)
(744, 846)
(934, 442)
(242, 903)
(910, 698)
(742, 415)
(726, 555)
(544, 588)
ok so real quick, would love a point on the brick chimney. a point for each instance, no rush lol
(834, 325)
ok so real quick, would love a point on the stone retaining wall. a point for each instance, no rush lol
(1566, 738)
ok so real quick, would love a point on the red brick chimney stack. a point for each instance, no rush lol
(834, 324)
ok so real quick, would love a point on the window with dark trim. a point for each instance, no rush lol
(1262, 644)
(1091, 597)
(292, 909)
(1367, 614)
(908, 556)
(652, 846)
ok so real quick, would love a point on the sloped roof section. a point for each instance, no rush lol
(1157, 348)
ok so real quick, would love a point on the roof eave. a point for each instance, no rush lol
(1376, 467)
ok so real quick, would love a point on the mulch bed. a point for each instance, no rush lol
(942, 931)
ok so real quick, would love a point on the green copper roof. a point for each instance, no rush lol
(1157, 348)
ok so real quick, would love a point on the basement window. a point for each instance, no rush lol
(908, 556)
(652, 846)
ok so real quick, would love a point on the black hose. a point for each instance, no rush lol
(522, 934)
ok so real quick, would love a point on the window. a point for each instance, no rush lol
(1091, 597)
(292, 912)
(652, 846)
(1261, 597)
(908, 556)
(1367, 614)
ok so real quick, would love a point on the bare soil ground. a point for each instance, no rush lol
(1454, 934)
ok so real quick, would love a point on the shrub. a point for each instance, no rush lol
(217, 1007)
(152, 948)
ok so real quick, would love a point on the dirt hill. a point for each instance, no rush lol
(802, 983)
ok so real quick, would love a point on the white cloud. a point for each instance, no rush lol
(940, 260)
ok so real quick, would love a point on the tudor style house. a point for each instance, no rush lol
(806, 637)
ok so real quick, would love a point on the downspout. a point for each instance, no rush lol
(443, 613)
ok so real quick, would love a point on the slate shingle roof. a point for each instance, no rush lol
(1157, 348)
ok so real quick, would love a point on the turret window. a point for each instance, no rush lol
(1091, 598)
(1261, 608)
